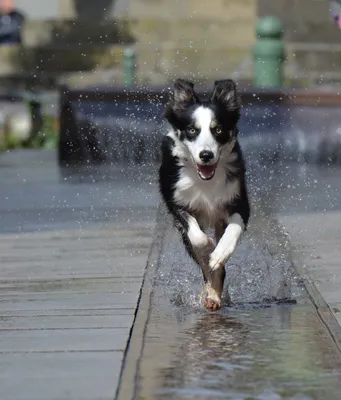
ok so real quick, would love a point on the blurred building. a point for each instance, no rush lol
(57, 9)
(83, 40)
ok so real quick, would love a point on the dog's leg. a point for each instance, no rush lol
(227, 238)
(200, 256)
(202, 244)
(213, 290)
(228, 242)
(198, 245)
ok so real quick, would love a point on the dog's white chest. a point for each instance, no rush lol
(204, 197)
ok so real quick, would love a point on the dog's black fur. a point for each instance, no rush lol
(224, 105)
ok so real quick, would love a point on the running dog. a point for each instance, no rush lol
(202, 178)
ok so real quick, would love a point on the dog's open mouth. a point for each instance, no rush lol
(206, 172)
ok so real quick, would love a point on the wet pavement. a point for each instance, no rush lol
(37, 195)
(280, 352)
(73, 251)
(73, 254)
(256, 349)
(253, 350)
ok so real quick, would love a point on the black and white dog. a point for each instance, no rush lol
(202, 178)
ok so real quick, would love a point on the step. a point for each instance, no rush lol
(314, 60)
(198, 64)
(163, 64)
(217, 9)
(58, 59)
(76, 32)
(184, 31)
(194, 32)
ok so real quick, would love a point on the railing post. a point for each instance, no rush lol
(129, 67)
(269, 53)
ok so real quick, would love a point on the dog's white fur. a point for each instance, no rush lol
(228, 242)
(205, 141)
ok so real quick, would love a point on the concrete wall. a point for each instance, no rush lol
(304, 20)
(194, 9)
(170, 9)
(197, 38)
(68, 9)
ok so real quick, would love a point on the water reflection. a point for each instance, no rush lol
(249, 351)
(278, 352)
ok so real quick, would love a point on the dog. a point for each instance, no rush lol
(202, 178)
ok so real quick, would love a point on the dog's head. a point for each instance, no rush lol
(207, 128)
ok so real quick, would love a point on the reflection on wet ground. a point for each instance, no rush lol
(37, 195)
(253, 350)
(256, 349)
(279, 352)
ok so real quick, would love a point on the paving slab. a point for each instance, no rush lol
(79, 313)
(39, 376)
(316, 237)
(70, 277)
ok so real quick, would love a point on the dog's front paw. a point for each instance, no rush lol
(210, 299)
(212, 304)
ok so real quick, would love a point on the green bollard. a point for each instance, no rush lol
(269, 53)
(129, 66)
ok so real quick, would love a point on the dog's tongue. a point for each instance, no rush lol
(206, 170)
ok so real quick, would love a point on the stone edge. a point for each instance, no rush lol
(127, 380)
(323, 310)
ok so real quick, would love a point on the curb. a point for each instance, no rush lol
(323, 310)
(127, 381)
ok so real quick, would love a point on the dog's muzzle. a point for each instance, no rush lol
(206, 172)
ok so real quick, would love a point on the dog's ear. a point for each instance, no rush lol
(225, 93)
(183, 95)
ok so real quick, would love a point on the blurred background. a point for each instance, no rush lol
(78, 40)
(82, 43)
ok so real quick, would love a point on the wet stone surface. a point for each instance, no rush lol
(279, 352)
(37, 195)
(73, 250)
(254, 349)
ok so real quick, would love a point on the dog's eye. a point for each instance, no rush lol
(218, 131)
(192, 131)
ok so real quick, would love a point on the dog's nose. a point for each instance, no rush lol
(206, 156)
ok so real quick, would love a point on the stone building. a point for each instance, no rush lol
(200, 39)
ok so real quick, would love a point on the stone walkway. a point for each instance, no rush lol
(73, 252)
(67, 305)
(72, 260)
